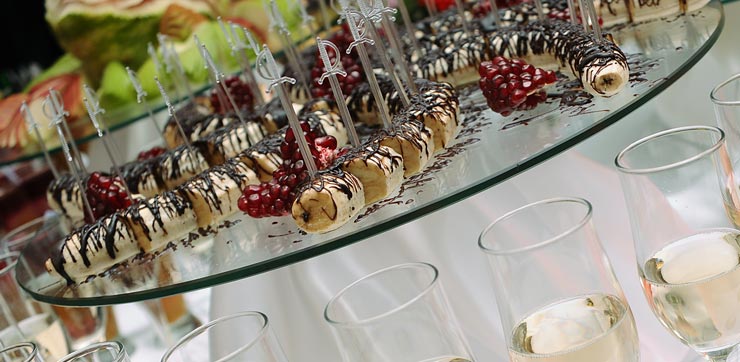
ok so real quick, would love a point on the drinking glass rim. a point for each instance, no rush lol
(716, 100)
(6, 239)
(358, 323)
(31, 356)
(641, 141)
(7, 255)
(583, 221)
(198, 331)
(111, 345)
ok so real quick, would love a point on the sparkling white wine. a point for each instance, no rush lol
(44, 329)
(589, 328)
(693, 286)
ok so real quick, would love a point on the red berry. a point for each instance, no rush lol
(150, 153)
(512, 83)
(240, 93)
(105, 194)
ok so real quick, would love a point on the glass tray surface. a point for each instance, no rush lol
(488, 149)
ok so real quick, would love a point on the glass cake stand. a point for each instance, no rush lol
(488, 149)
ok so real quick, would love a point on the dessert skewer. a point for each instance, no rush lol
(141, 95)
(93, 110)
(278, 23)
(359, 42)
(173, 66)
(54, 111)
(239, 51)
(33, 127)
(331, 70)
(368, 15)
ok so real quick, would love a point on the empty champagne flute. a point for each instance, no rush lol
(244, 336)
(99, 352)
(726, 100)
(557, 295)
(679, 188)
(397, 314)
(21, 352)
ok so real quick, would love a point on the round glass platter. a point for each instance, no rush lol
(488, 149)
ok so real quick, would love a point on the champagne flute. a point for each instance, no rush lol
(555, 289)
(244, 336)
(679, 189)
(397, 314)
(97, 352)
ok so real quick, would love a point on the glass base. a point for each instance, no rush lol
(733, 355)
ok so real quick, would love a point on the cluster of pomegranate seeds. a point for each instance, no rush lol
(564, 15)
(483, 7)
(150, 153)
(106, 194)
(239, 91)
(508, 84)
(350, 63)
(275, 198)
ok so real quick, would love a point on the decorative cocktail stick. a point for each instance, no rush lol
(279, 23)
(494, 12)
(359, 43)
(218, 78)
(584, 16)
(155, 58)
(33, 127)
(463, 19)
(173, 64)
(57, 104)
(591, 9)
(382, 54)
(141, 99)
(93, 110)
(54, 110)
(540, 10)
(306, 19)
(173, 114)
(267, 69)
(409, 25)
(379, 12)
(331, 70)
(572, 10)
(325, 15)
(239, 51)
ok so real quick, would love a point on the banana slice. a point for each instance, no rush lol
(161, 219)
(328, 201)
(379, 168)
(412, 140)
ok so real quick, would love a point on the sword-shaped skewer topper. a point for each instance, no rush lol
(94, 110)
(267, 68)
(367, 23)
(375, 11)
(218, 78)
(173, 114)
(155, 58)
(174, 65)
(277, 21)
(359, 43)
(141, 99)
(331, 70)
(239, 51)
(53, 108)
(306, 19)
(33, 127)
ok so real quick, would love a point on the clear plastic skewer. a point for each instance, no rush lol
(382, 54)
(572, 11)
(33, 127)
(376, 11)
(325, 15)
(94, 110)
(331, 70)
(494, 12)
(409, 25)
(238, 51)
(279, 23)
(584, 15)
(463, 18)
(359, 43)
(141, 99)
(174, 65)
(267, 69)
(173, 114)
(54, 110)
(540, 10)
(306, 19)
(54, 100)
(591, 9)
(218, 77)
